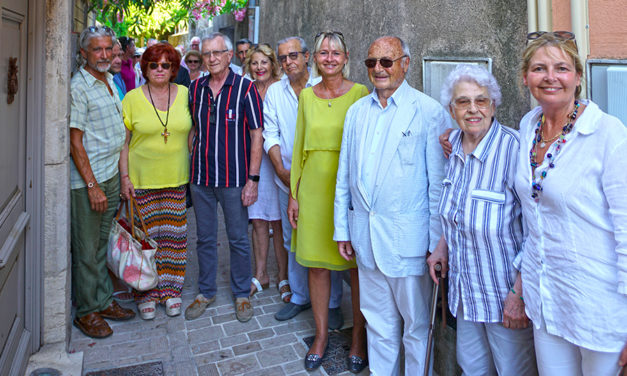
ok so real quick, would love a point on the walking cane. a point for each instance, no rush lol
(434, 308)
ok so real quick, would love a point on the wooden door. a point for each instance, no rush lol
(14, 220)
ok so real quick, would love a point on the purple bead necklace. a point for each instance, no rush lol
(536, 182)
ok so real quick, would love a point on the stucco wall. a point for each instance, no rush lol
(447, 28)
(57, 284)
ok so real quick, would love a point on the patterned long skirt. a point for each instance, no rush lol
(165, 216)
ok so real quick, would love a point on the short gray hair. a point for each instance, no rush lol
(303, 45)
(404, 47)
(216, 34)
(470, 73)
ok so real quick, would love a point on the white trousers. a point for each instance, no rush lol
(558, 357)
(395, 308)
(490, 349)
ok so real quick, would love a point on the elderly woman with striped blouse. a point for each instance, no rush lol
(482, 223)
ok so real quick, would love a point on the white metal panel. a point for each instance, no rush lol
(617, 92)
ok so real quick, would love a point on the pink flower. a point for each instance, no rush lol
(240, 14)
(120, 17)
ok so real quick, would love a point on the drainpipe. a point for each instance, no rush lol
(252, 5)
(579, 21)
(545, 15)
(532, 16)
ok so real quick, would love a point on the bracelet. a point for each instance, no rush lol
(124, 176)
(514, 292)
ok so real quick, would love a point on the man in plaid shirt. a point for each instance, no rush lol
(97, 134)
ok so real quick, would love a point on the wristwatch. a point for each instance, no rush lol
(253, 177)
(91, 184)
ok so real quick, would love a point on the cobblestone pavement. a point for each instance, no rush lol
(216, 343)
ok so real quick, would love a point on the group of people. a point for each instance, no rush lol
(530, 225)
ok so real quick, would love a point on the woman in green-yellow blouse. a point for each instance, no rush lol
(318, 137)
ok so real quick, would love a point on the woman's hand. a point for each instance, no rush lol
(127, 190)
(292, 211)
(447, 147)
(439, 256)
(346, 250)
(622, 360)
(514, 316)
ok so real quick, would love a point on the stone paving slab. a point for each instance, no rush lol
(215, 344)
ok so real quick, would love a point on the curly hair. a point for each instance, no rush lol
(154, 54)
(267, 51)
(470, 73)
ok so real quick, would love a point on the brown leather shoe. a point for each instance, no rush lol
(92, 325)
(117, 313)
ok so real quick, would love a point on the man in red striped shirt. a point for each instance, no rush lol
(226, 144)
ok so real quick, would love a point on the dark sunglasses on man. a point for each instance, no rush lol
(384, 61)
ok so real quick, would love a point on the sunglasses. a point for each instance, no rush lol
(560, 34)
(95, 29)
(328, 33)
(291, 55)
(154, 65)
(193, 61)
(384, 61)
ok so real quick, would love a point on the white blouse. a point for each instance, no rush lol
(574, 263)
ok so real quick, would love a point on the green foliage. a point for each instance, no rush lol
(143, 19)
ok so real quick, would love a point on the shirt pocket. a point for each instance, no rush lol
(493, 197)
(407, 149)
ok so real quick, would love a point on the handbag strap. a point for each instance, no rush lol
(139, 214)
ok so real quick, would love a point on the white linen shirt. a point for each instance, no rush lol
(482, 223)
(280, 109)
(574, 264)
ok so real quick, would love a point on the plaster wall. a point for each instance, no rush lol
(447, 28)
(57, 281)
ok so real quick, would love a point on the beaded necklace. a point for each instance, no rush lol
(536, 183)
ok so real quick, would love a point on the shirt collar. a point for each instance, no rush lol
(483, 149)
(228, 82)
(396, 98)
(91, 80)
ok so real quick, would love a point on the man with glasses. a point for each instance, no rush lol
(386, 205)
(280, 111)
(226, 143)
(97, 135)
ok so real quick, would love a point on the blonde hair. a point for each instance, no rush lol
(268, 52)
(337, 40)
(567, 46)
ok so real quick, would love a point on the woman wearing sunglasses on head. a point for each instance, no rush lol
(571, 180)
(154, 169)
(317, 141)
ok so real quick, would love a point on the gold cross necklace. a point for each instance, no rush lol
(165, 132)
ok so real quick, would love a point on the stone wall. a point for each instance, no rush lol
(447, 28)
(57, 282)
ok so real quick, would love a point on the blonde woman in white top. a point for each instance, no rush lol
(572, 180)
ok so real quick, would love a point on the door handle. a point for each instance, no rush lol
(12, 84)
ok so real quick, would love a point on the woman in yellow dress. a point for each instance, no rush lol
(319, 126)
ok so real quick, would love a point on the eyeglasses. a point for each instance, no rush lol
(291, 55)
(465, 103)
(154, 65)
(560, 34)
(193, 61)
(216, 53)
(384, 61)
(106, 29)
(329, 33)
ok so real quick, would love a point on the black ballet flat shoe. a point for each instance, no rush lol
(356, 364)
(313, 361)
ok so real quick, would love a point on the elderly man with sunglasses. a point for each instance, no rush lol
(96, 139)
(386, 206)
(226, 145)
